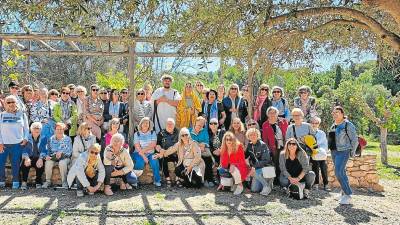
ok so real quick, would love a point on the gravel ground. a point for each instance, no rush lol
(149, 205)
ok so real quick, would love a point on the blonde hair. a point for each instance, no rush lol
(263, 86)
(235, 142)
(82, 128)
(95, 146)
(80, 88)
(242, 129)
(60, 124)
(251, 131)
(183, 130)
(111, 122)
(298, 110)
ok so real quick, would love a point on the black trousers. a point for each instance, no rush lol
(195, 182)
(92, 181)
(316, 166)
(39, 171)
(208, 173)
(164, 163)
(109, 170)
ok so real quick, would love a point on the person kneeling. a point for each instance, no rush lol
(259, 157)
(295, 167)
(88, 170)
(190, 167)
(118, 164)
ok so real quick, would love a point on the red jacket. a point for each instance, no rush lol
(237, 159)
(268, 135)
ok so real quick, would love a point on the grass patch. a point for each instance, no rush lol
(148, 222)
(160, 196)
(391, 171)
(61, 214)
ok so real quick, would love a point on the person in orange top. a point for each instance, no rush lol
(232, 160)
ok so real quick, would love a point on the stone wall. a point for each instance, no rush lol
(361, 171)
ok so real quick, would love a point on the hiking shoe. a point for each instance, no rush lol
(15, 185)
(79, 193)
(38, 186)
(46, 184)
(238, 190)
(327, 188)
(65, 185)
(24, 186)
(345, 200)
(265, 191)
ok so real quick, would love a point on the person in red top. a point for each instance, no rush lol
(232, 159)
(273, 134)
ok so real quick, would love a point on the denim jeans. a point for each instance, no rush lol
(15, 150)
(259, 182)
(340, 159)
(140, 164)
(129, 178)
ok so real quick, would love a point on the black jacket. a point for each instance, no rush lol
(258, 155)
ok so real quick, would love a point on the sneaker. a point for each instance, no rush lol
(327, 188)
(46, 184)
(128, 186)
(107, 190)
(339, 196)
(157, 184)
(79, 193)
(238, 190)
(24, 186)
(15, 185)
(265, 191)
(2, 184)
(65, 185)
(315, 187)
(206, 184)
(210, 184)
(345, 200)
(306, 193)
(38, 186)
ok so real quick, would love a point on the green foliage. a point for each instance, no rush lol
(112, 79)
(338, 76)
(388, 74)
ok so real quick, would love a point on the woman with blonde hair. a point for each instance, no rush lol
(188, 108)
(234, 106)
(83, 140)
(232, 160)
(190, 167)
(237, 128)
(81, 102)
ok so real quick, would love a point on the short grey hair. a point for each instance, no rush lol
(117, 137)
(251, 131)
(316, 118)
(272, 108)
(36, 125)
(171, 120)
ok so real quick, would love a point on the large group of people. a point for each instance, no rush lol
(207, 135)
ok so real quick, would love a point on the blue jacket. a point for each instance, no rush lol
(28, 150)
(201, 137)
(346, 141)
(53, 146)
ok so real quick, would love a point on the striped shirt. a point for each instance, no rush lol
(145, 139)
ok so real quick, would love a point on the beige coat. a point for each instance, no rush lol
(121, 159)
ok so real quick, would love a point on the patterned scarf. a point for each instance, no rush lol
(66, 111)
(213, 110)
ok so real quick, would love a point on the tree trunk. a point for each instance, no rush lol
(383, 145)
(250, 77)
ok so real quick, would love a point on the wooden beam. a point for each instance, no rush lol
(15, 43)
(132, 86)
(20, 36)
(47, 45)
(71, 43)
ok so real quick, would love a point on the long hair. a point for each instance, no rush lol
(242, 128)
(235, 143)
(286, 149)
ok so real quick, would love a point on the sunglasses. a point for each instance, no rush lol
(95, 89)
(292, 143)
(229, 139)
(94, 153)
(14, 87)
(245, 90)
(213, 123)
(103, 93)
(140, 94)
(276, 92)
(65, 93)
(252, 124)
(11, 102)
(54, 94)
(264, 89)
(28, 90)
(233, 88)
(303, 92)
(184, 135)
(124, 92)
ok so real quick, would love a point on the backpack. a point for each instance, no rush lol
(362, 142)
(296, 191)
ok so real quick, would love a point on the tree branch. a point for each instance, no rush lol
(392, 7)
(387, 36)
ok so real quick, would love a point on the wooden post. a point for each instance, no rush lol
(1, 54)
(132, 84)
(28, 64)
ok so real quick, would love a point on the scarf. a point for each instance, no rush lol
(113, 109)
(91, 167)
(259, 103)
(213, 110)
(65, 108)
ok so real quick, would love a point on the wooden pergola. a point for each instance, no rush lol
(129, 51)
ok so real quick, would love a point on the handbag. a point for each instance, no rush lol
(268, 172)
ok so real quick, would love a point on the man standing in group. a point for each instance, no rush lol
(164, 100)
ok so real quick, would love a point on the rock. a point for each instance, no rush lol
(378, 188)
(358, 173)
(372, 178)
(354, 182)
(365, 167)
(350, 164)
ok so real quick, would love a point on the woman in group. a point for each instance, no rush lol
(112, 109)
(145, 141)
(263, 102)
(142, 107)
(148, 89)
(118, 164)
(199, 89)
(27, 98)
(88, 171)
(94, 111)
(65, 111)
(113, 128)
(252, 124)
(188, 108)
(215, 137)
(279, 102)
(14, 133)
(166, 138)
(306, 103)
(212, 109)
(81, 102)
(190, 167)
(343, 142)
(30, 156)
(295, 166)
(53, 97)
(237, 128)
(221, 93)
(233, 106)
(299, 129)
(59, 150)
(199, 134)
(318, 161)
(41, 112)
(232, 160)
(258, 154)
(83, 141)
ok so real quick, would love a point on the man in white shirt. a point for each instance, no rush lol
(164, 102)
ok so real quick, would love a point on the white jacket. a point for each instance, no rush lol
(78, 170)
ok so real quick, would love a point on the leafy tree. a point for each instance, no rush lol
(338, 76)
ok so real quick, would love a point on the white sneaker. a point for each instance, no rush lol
(338, 197)
(345, 200)
(79, 193)
(46, 185)
(306, 193)
(265, 191)
(65, 185)
(24, 186)
(238, 190)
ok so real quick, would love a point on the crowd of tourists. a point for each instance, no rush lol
(207, 135)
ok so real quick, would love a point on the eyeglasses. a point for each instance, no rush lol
(140, 94)
(54, 94)
(184, 135)
(264, 89)
(252, 124)
(292, 143)
(14, 87)
(95, 89)
(94, 153)
(213, 123)
(11, 102)
(233, 88)
(245, 90)
(276, 92)
(65, 93)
